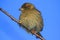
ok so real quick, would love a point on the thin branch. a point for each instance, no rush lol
(6, 13)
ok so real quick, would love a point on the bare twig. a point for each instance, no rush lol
(6, 13)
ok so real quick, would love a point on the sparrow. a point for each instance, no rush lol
(31, 18)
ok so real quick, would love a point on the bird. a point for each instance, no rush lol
(31, 19)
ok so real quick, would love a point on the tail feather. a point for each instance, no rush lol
(39, 35)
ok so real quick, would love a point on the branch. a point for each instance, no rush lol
(6, 13)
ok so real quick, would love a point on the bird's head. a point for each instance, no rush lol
(27, 6)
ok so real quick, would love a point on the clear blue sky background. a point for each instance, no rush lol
(9, 30)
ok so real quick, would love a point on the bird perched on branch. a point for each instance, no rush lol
(31, 19)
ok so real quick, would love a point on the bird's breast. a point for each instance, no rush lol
(30, 19)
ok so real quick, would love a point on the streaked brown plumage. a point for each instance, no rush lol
(31, 18)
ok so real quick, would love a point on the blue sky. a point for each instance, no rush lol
(9, 30)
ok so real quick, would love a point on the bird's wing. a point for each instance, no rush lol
(41, 18)
(39, 11)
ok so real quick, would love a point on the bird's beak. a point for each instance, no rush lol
(21, 9)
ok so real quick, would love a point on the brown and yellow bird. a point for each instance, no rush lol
(31, 19)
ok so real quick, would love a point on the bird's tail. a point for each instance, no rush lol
(40, 36)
